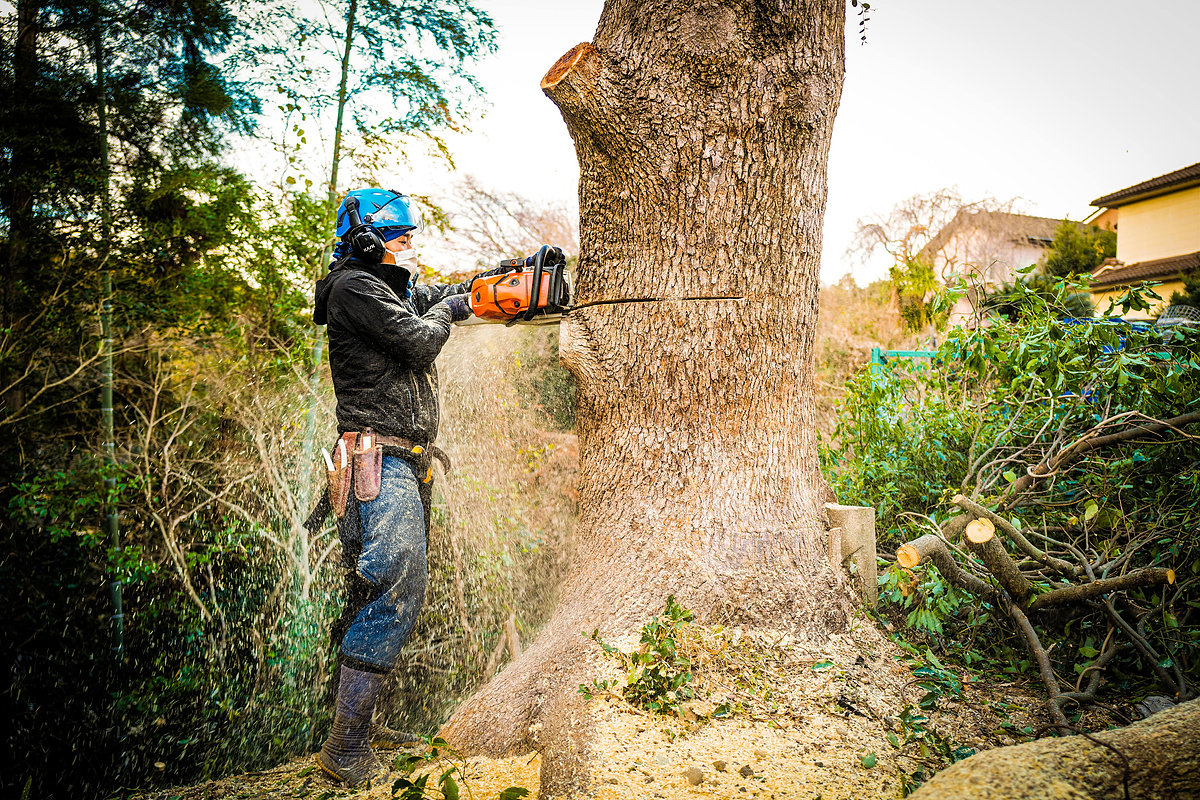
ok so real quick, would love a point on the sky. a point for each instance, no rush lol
(1054, 102)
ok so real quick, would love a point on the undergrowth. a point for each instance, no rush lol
(419, 769)
(658, 677)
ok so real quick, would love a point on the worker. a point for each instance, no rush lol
(385, 330)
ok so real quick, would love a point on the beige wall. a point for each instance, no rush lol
(990, 257)
(1105, 219)
(1164, 290)
(1160, 227)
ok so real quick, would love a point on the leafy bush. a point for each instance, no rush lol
(1078, 249)
(996, 402)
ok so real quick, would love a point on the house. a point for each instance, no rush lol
(1158, 237)
(986, 247)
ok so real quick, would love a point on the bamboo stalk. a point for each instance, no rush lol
(108, 435)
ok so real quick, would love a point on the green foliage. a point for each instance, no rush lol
(1011, 301)
(916, 736)
(658, 677)
(227, 606)
(996, 401)
(920, 297)
(408, 72)
(1078, 249)
(931, 601)
(1190, 296)
(448, 784)
(899, 445)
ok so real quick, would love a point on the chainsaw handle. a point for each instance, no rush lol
(536, 291)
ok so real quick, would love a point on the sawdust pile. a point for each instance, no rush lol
(808, 719)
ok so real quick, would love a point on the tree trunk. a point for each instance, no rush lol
(19, 204)
(1155, 759)
(702, 131)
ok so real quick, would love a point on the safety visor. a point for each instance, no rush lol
(395, 233)
(397, 216)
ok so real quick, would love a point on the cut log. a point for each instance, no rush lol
(1008, 529)
(931, 548)
(1001, 564)
(992, 553)
(1085, 591)
(979, 531)
(1154, 759)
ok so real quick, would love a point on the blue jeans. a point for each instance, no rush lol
(393, 564)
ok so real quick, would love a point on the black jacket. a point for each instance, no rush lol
(382, 347)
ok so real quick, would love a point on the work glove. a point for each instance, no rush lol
(459, 306)
(554, 257)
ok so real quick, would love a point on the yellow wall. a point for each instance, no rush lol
(1164, 290)
(1160, 227)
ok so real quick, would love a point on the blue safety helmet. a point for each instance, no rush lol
(391, 213)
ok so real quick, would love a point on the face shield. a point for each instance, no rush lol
(396, 216)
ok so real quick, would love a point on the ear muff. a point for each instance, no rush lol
(365, 242)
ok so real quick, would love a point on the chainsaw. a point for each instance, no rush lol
(538, 293)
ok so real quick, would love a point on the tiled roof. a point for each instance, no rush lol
(1180, 178)
(1014, 227)
(1115, 273)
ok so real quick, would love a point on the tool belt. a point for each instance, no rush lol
(357, 461)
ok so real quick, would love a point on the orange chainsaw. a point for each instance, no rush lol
(538, 293)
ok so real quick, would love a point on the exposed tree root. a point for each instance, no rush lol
(534, 704)
(1155, 759)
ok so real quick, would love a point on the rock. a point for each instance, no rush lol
(1152, 705)
(746, 771)
(760, 753)
(697, 709)
(694, 775)
(719, 765)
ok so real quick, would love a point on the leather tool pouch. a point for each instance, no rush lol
(368, 471)
(341, 475)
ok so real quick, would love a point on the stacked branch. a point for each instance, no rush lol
(986, 568)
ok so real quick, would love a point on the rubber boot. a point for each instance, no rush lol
(385, 738)
(346, 754)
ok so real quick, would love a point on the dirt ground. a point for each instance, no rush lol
(806, 719)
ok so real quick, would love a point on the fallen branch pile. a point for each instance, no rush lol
(982, 552)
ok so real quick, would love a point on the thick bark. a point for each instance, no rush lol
(702, 131)
(1155, 759)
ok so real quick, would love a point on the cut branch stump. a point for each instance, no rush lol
(857, 542)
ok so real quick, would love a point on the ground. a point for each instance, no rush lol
(807, 720)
